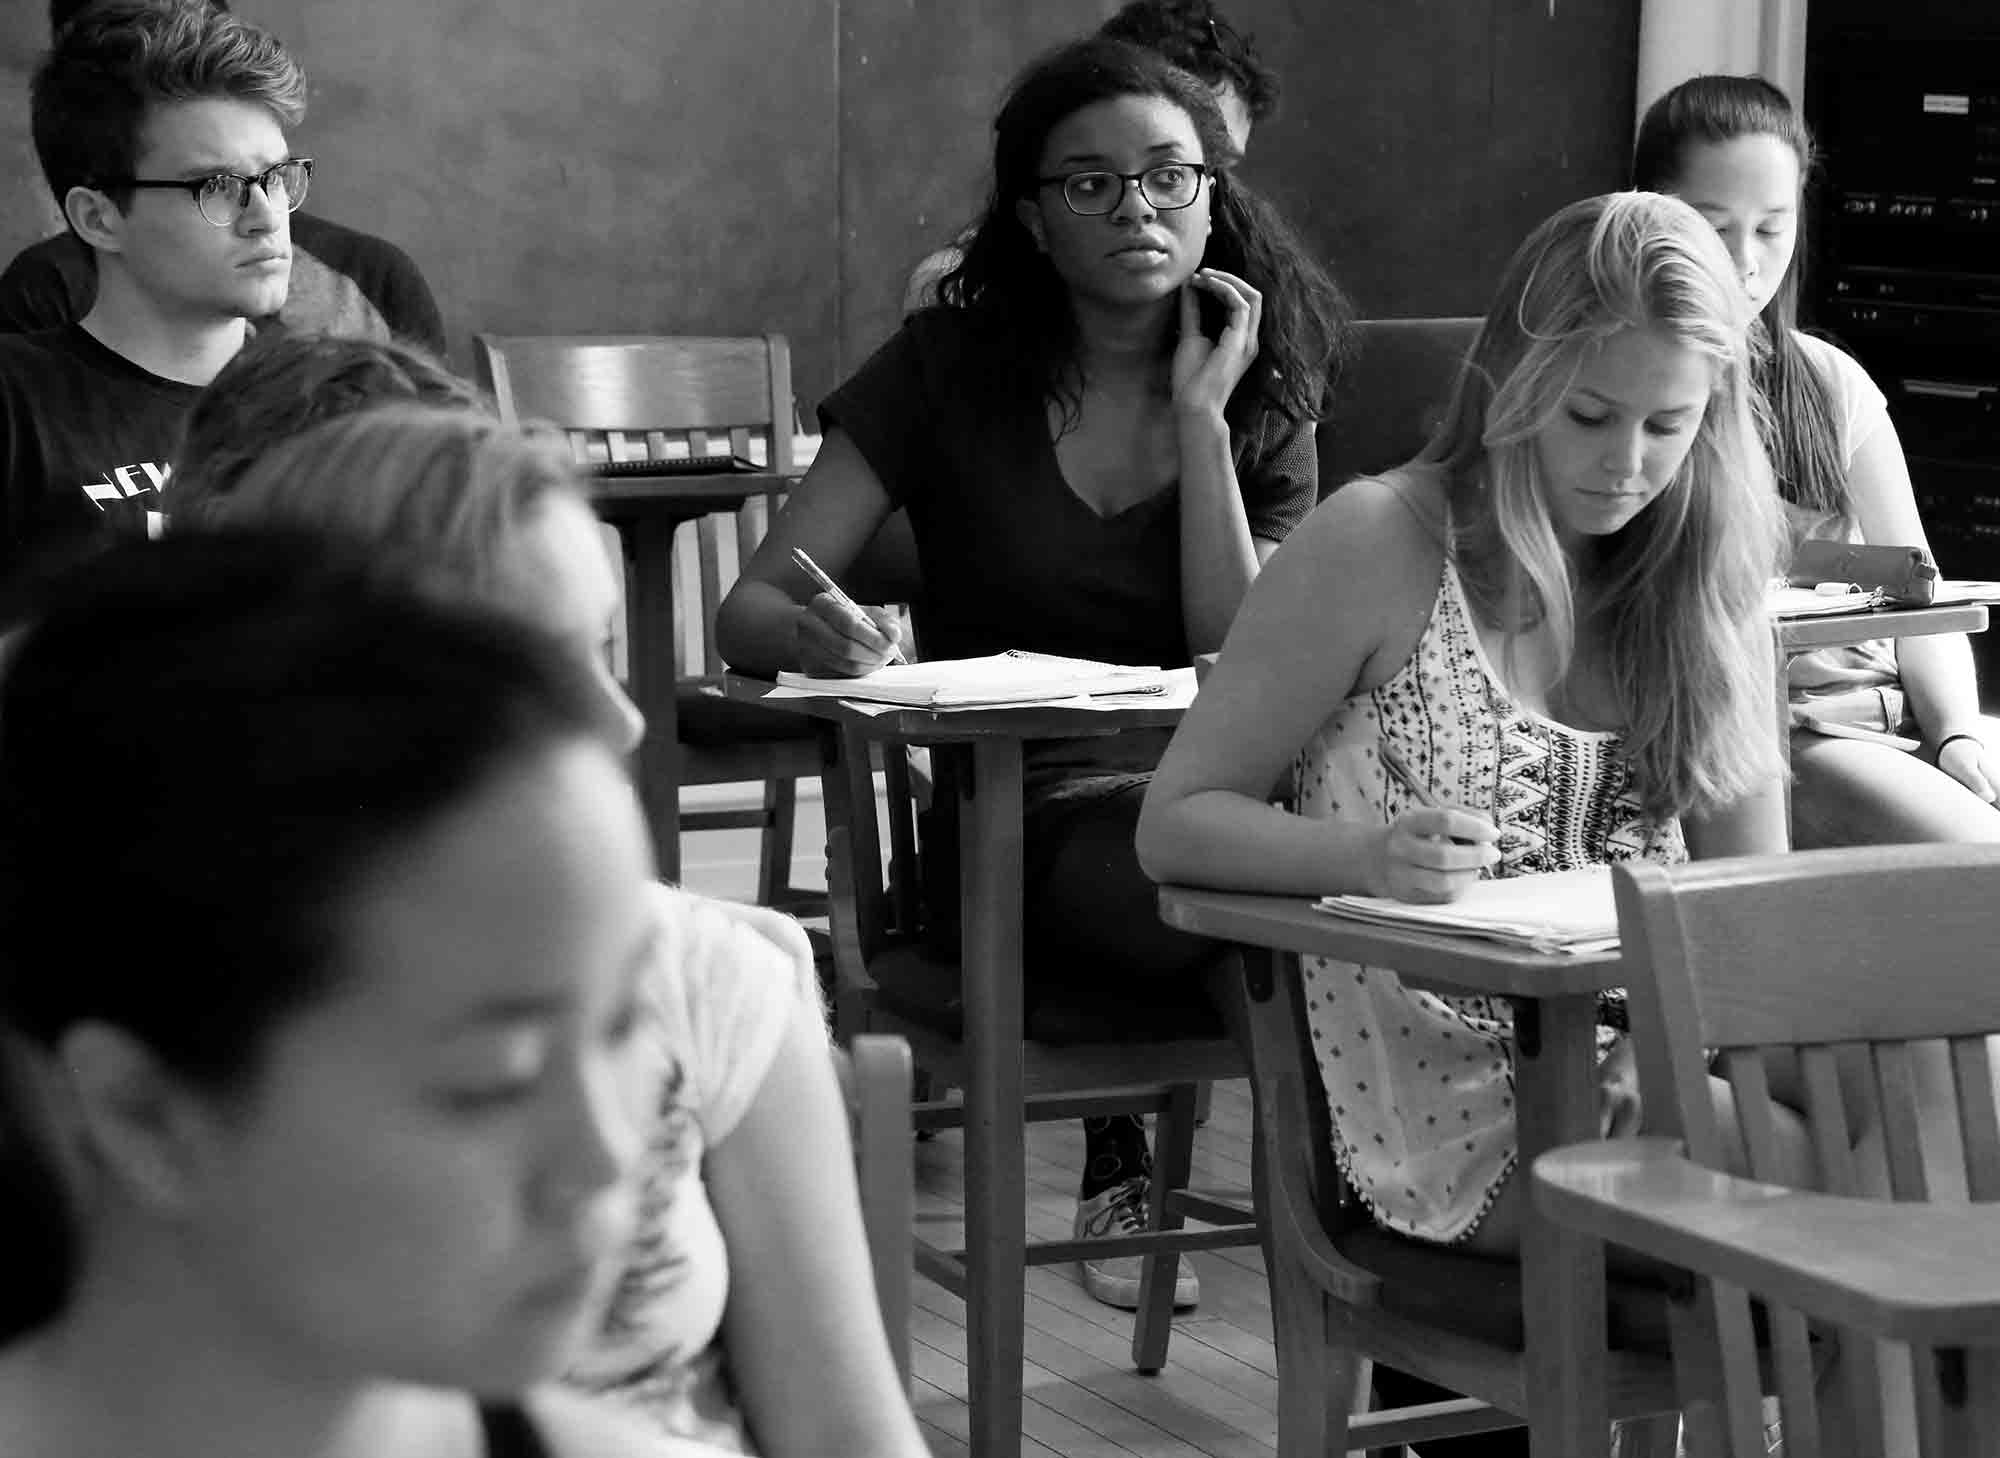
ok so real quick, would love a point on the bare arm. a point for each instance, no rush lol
(1937, 669)
(1754, 825)
(771, 619)
(1338, 609)
(1219, 557)
(804, 1333)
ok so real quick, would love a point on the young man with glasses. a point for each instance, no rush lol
(161, 130)
(344, 281)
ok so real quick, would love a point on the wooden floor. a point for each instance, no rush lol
(1217, 1396)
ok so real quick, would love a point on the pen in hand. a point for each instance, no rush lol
(1400, 771)
(827, 585)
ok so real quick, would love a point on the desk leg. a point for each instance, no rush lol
(996, 1193)
(649, 615)
(1562, 1273)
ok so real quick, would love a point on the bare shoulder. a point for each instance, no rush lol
(1375, 530)
(577, 1426)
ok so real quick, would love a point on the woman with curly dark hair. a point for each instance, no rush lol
(1191, 34)
(1098, 440)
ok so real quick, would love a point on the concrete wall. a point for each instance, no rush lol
(737, 165)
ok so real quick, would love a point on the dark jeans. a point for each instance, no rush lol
(1088, 910)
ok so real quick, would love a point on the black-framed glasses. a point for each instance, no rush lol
(222, 196)
(1167, 187)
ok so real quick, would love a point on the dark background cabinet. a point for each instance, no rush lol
(1906, 255)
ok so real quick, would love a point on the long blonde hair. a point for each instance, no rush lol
(1676, 597)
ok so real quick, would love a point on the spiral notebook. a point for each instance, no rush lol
(1559, 911)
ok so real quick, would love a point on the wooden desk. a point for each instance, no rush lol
(1842, 630)
(647, 510)
(1555, 1017)
(988, 743)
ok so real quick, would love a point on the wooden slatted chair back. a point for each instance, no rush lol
(663, 397)
(1860, 985)
(643, 396)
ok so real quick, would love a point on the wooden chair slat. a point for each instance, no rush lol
(1978, 1124)
(1745, 1072)
(1796, 1379)
(713, 579)
(1975, 1425)
(1896, 1107)
(1826, 1115)
(1737, 1347)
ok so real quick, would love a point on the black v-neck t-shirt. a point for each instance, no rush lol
(1011, 557)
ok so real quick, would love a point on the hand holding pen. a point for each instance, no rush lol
(836, 635)
(1433, 852)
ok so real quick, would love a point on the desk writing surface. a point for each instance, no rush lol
(925, 726)
(1838, 630)
(1432, 959)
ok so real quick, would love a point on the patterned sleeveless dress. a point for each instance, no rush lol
(1420, 1085)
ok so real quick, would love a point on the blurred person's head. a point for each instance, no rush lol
(1194, 36)
(282, 384)
(496, 511)
(323, 904)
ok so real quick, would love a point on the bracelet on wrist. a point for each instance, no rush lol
(1937, 755)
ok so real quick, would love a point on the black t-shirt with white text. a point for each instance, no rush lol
(87, 445)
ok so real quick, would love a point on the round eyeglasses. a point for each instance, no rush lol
(1166, 188)
(223, 196)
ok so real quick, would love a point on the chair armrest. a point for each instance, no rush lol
(1286, 1195)
(1916, 1272)
(876, 1073)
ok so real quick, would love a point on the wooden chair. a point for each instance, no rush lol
(1838, 964)
(876, 1076)
(1346, 1293)
(888, 978)
(640, 397)
(1391, 395)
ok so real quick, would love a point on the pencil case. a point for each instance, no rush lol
(1898, 576)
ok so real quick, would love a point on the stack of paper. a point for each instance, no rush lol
(1810, 602)
(1561, 911)
(999, 678)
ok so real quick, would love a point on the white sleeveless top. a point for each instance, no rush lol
(1420, 1086)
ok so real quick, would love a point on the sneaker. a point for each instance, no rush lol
(1122, 1210)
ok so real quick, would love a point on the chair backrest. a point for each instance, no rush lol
(1391, 395)
(1857, 987)
(638, 396)
(624, 397)
(877, 1076)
